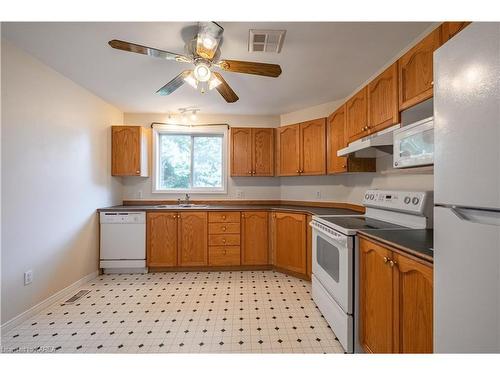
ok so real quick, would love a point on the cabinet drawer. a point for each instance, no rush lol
(223, 239)
(224, 217)
(224, 255)
(222, 228)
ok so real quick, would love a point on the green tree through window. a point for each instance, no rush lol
(190, 161)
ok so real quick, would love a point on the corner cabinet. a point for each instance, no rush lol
(129, 151)
(415, 69)
(252, 152)
(301, 149)
(289, 242)
(396, 301)
(336, 140)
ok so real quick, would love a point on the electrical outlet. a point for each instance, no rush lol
(239, 194)
(318, 194)
(28, 277)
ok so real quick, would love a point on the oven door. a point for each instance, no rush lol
(332, 264)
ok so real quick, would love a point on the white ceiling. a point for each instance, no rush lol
(321, 62)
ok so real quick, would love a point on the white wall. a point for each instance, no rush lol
(310, 113)
(251, 188)
(55, 173)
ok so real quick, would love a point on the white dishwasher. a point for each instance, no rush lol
(123, 242)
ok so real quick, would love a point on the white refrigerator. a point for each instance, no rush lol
(467, 192)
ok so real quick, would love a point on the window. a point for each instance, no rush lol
(190, 159)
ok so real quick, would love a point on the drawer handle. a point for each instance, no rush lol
(223, 217)
(223, 229)
(223, 240)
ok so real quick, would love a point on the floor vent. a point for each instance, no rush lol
(266, 40)
(77, 296)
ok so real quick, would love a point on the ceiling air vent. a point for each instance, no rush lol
(266, 40)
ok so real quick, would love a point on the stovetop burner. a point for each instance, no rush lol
(351, 224)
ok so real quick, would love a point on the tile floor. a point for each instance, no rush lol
(182, 312)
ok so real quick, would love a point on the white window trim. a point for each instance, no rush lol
(188, 130)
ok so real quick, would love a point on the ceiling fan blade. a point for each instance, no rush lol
(137, 48)
(174, 84)
(225, 90)
(208, 39)
(249, 67)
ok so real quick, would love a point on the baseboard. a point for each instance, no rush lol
(15, 321)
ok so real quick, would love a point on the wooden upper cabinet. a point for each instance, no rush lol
(241, 152)
(161, 239)
(356, 112)
(193, 228)
(415, 71)
(450, 29)
(383, 106)
(288, 150)
(129, 155)
(263, 151)
(289, 231)
(376, 299)
(313, 147)
(254, 238)
(336, 140)
(252, 152)
(413, 300)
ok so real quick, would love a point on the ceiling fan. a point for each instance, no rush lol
(203, 51)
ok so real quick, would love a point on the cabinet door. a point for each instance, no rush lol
(357, 116)
(413, 291)
(450, 29)
(263, 151)
(126, 150)
(313, 147)
(375, 298)
(289, 231)
(193, 239)
(415, 71)
(241, 152)
(383, 106)
(254, 238)
(288, 150)
(161, 239)
(335, 138)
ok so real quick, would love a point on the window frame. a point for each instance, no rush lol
(214, 130)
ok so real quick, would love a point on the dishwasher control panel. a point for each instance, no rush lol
(122, 217)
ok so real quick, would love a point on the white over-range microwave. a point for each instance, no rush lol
(414, 144)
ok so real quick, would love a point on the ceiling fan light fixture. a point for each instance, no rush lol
(208, 42)
(202, 72)
(213, 83)
(191, 80)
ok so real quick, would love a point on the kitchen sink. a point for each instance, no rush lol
(182, 205)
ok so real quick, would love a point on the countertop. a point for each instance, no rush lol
(418, 242)
(235, 207)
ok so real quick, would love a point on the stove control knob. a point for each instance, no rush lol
(415, 200)
(372, 196)
(407, 200)
(367, 196)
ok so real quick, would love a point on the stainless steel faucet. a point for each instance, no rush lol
(185, 201)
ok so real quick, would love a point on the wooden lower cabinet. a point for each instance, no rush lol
(224, 255)
(289, 241)
(224, 238)
(193, 234)
(161, 239)
(254, 238)
(396, 301)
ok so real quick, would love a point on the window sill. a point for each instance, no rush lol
(190, 191)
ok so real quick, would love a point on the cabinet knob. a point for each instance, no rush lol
(223, 217)
(253, 172)
(224, 252)
(223, 229)
(249, 172)
(137, 172)
(344, 166)
(392, 263)
(297, 171)
(223, 240)
(386, 259)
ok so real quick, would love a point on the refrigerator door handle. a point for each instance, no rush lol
(477, 215)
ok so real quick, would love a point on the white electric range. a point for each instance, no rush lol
(335, 255)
